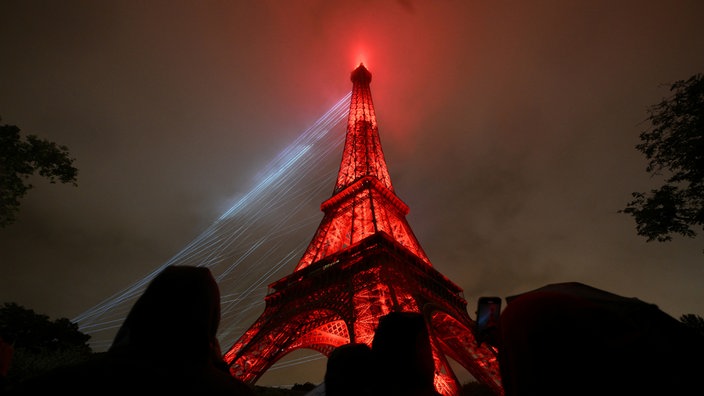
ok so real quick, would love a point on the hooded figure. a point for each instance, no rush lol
(166, 345)
(574, 339)
(175, 320)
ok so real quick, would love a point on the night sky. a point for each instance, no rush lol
(509, 128)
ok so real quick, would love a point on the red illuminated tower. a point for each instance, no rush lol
(363, 262)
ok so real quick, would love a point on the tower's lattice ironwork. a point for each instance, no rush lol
(363, 262)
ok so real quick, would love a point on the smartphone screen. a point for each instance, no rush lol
(488, 311)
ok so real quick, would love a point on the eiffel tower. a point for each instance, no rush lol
(363, 262)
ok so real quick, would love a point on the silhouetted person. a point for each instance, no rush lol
(404, 356)
(166, 345)
(350, 371)
(573, 339)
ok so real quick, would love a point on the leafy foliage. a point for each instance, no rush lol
(696, 322)
(20, 159)
(24, 328)
(674, 148)
(39, 343)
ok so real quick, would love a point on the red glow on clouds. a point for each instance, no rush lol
(361, 57)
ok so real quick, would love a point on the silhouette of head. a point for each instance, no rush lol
(177, 316)
(404, 354)
(350, 371)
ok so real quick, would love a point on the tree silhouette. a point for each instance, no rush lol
(39, 343)
(674, 148)
(20, 159)
(696, 322)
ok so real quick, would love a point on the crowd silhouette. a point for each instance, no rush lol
(562, 339)
(167, 345)
(398, 362)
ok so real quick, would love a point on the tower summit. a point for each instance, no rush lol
(362, 263)
(363, 201)
(362, 155)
